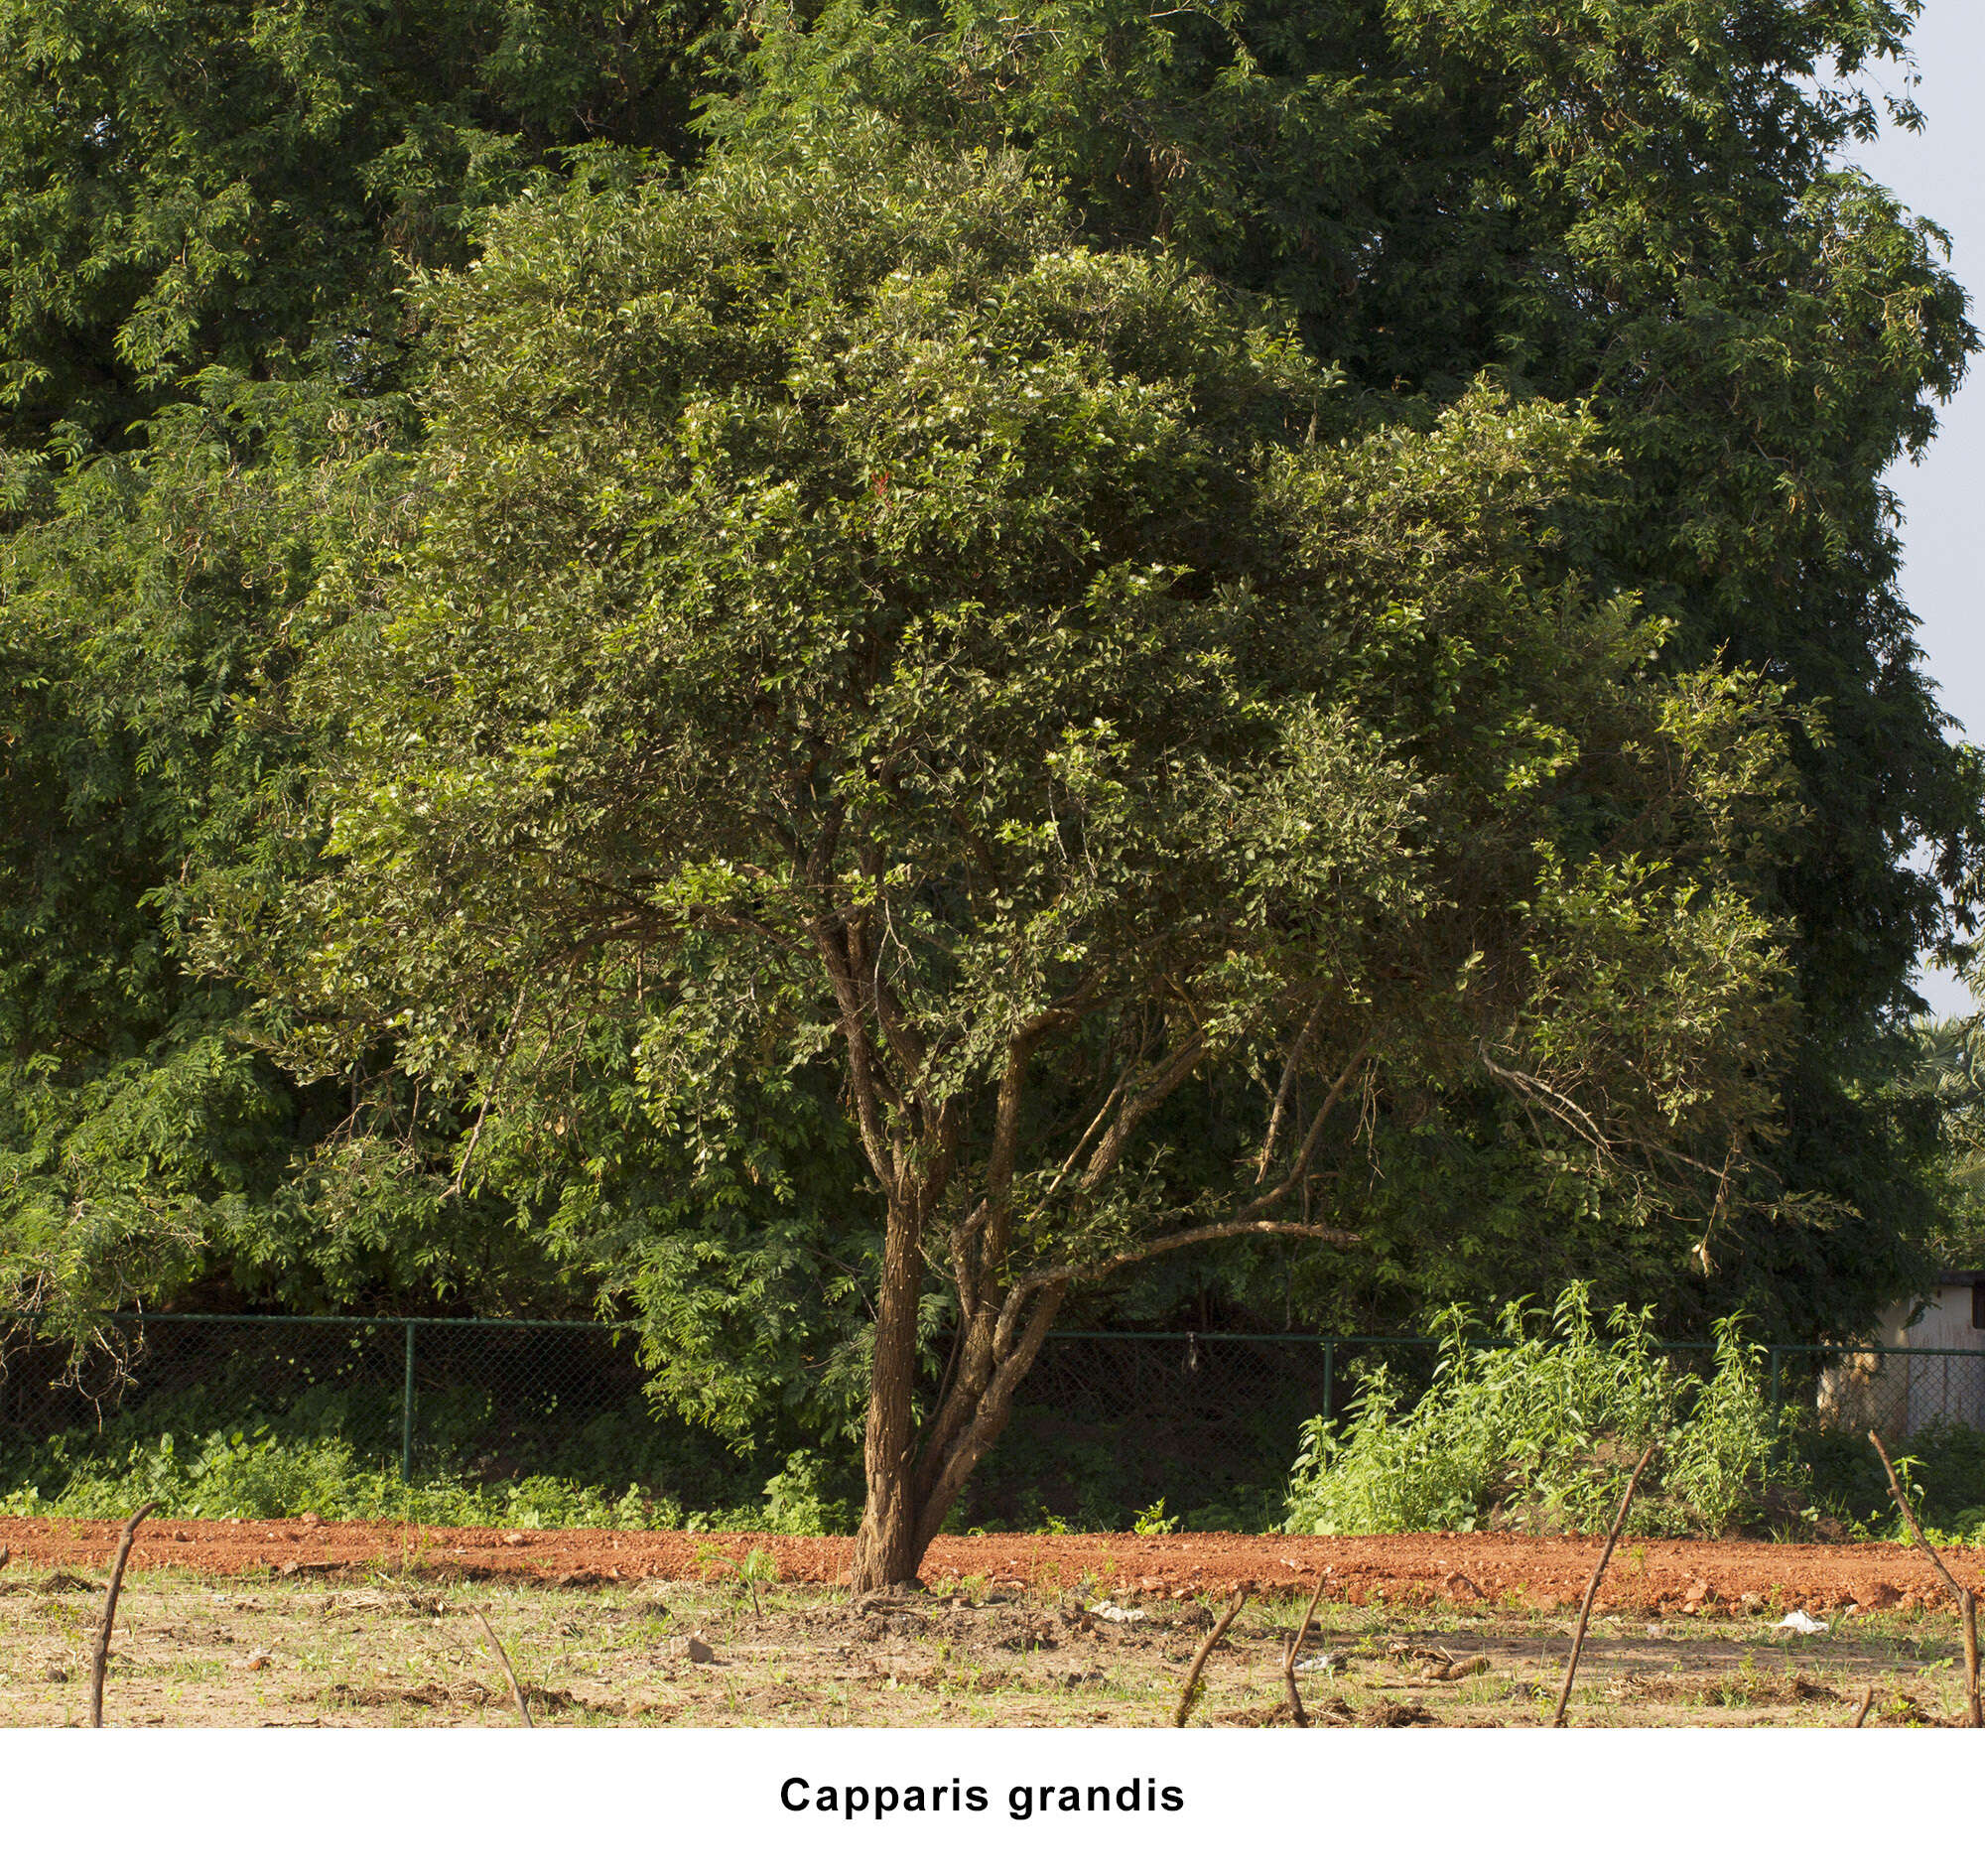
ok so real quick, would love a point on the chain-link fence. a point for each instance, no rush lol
(1108, 1423)
(1900, 1394)
(423, 1389)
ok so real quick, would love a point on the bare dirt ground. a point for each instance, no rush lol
(301, 1624)
(1507, 1571)
(377, 1647)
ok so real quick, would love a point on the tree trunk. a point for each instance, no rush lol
(908, 1497)
(886, 1550)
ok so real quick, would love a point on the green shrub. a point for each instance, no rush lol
(1540, 1433)
(813, 1497)
(202, 1452)
(1942, 1468)
(257, 1473)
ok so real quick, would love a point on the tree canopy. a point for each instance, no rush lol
(1646, 205)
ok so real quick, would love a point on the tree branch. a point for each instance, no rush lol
(100, 1661)
(1546, 1096)
(1006, 1130)
(488, 1095)
(862, 1074)
(1088, 1132)
(962, 1271)
(1167, 1077)
(1289, 1072)
(1967, 1601)
(1306, 1151)
(989, 1417)
(1177, 1241)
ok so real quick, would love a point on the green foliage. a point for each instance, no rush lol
(741, 1327)
(194, 182)
(208, 219)
(1645, 205)
(1940, 1072)
(258, 1472)
(207, 1452)
(814, 1495)
(1643, 213)
(147, 1143)
(1541, 1432)
(1942, 1469)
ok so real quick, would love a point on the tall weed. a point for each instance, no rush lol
(1539, 1432)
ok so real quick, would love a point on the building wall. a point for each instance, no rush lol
(1899, 1394)
(1945, 1321)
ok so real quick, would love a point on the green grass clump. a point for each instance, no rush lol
(335, 1452)
(1540, 1433)
(257, 1472)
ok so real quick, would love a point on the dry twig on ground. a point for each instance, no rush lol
(1592, 1587)
(1967, 1601)
(101, 1663)
(1183, 1711)
(1294, 1648)
(509, 1674)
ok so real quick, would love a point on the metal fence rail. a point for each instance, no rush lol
(1125, 1417)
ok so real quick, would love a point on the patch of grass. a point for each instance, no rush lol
(335, 1452)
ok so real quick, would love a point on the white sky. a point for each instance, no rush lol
(1940, 173)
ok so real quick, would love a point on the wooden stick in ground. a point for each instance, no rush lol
(98, 1667)
(1294, 1648)
(1861, 1711)
(1967, 1601)
(1185, 1708)
(1592, 1587)
(509, 1674)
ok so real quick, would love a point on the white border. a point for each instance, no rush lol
(665, 1799)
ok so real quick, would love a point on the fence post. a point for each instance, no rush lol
(1329, 1372)
(1775, 1379)
(407, 1415)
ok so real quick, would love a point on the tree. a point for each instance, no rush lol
(150, 1147)
(1941, 1070)
(1645, 209)
(848, 620)
(1651, 208)
(147, 1144)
